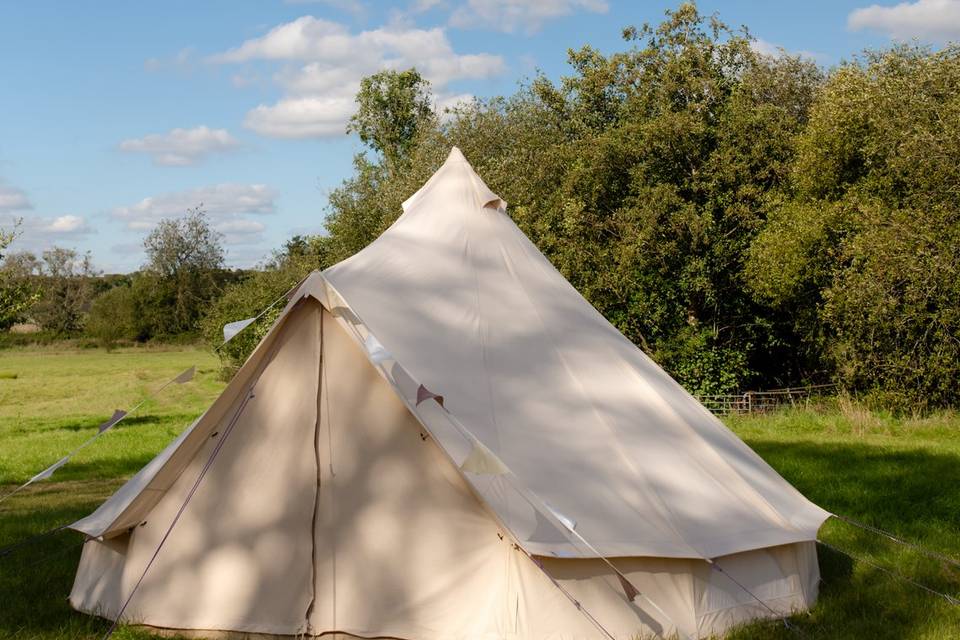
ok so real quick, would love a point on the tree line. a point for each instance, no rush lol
(750, 221)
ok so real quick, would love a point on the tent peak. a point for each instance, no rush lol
(456, 155)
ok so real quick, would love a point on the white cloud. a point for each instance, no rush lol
(301, 117)
(239, 231)
(223, 203)
(519, 15)
(66, 224)
(937, 20)
(240, 226)
(326, 61)
(181, 147)
(767, 48)
(13, 199)
(38, 233)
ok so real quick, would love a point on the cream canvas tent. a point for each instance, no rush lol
(441, 439)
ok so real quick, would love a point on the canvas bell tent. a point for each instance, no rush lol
(439, 438)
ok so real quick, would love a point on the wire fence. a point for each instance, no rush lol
(763, 401)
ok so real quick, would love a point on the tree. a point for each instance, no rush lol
(67, 279)
(643, 176)
(866, 244)
(184, 257)
(393, 109)
(16, 293)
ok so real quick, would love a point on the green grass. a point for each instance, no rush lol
(900, 474)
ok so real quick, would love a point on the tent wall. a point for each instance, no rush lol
(328, 510)
(239, 558)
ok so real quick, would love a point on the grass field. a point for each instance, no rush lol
(899, 474)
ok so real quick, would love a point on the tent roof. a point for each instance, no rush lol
(454, 297)
(469, 307)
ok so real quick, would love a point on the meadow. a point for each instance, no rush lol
(899, 473)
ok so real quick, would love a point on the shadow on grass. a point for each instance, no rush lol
(129, 421)
(35, 579)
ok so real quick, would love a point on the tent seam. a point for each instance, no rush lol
(316, 499)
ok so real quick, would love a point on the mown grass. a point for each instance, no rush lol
(902, 474)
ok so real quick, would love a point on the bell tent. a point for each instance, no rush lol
(440, 439)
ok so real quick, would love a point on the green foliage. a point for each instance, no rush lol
(66, 280)
(113, 316)
(16, 292)
(393, 108)
(747, 220)
(643, 177)
(184, 258)
(865, 249)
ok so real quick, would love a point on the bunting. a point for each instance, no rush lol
(46, 473)
(568, 522)
(483, 461)
(628, 589)
(186, 376)
(117, 416)
(377, 352)
(231, 329)
(425, 394)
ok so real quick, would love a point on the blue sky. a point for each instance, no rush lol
(117, 114)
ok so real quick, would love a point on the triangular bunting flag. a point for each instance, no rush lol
(545, 531)
(569, 523)
(186, 376)
(46, 473)
(378, 353)
(484, 462)
(117, 416)
(628, 589)
(233, 328)
(425, 394)
(346, 314)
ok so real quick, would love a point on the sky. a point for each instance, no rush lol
(116, 114)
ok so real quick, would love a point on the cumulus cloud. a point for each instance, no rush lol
(227, 205)
(13, 199)
(937, 20)
(67, 224)
(38, 233)
(767, 48)
(519, 15)
(182, 147)
(324, 63)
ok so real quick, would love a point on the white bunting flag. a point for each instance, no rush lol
(378, 353)
(569, 523)
(484, 462)
(46, 473)
(117, 416)
(233, 328)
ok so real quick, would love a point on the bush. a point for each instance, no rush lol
(112, 316)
